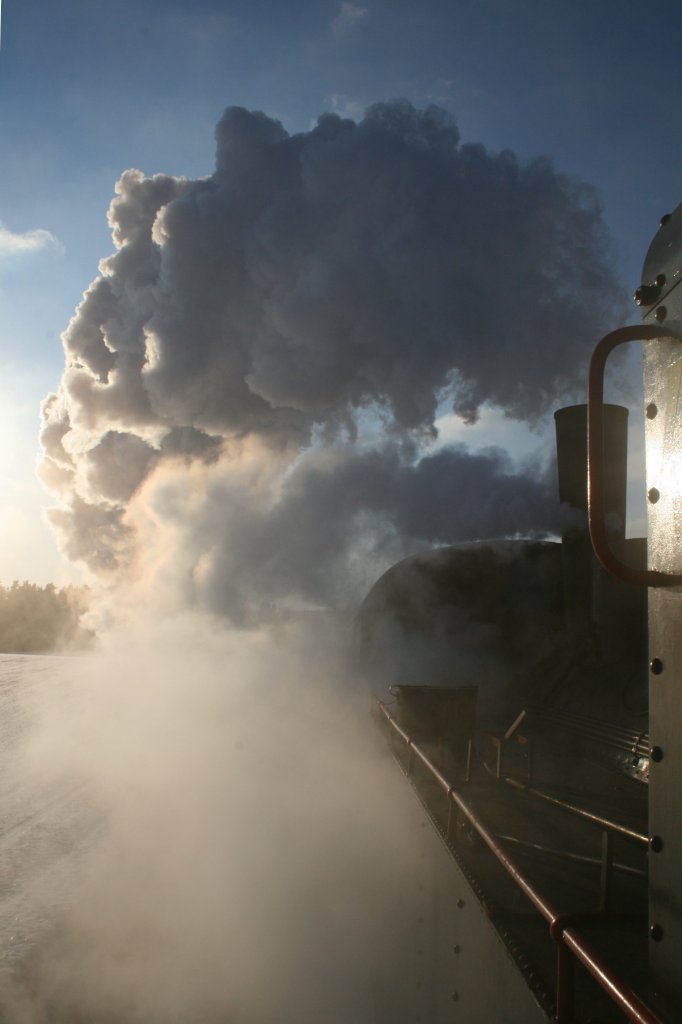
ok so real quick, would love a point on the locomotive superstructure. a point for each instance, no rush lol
(542, 734)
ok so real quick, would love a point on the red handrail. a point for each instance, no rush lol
(596, 506)
(568, 940)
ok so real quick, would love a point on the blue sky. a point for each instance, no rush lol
(89, 88)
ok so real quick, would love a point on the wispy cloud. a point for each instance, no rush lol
(16, 244)
(348, 17)
(345, 106)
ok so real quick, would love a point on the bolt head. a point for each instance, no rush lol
(460, 903)
(653, 495)
(665, 218)
(655, 844)
(656, 932)
(656, 754)
(660, 280)
(656, 666)
(660, 314)
(646, 294)
(651, 411)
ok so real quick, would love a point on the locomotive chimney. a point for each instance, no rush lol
(580, 568)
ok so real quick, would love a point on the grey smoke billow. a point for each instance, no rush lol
(311, 535)
(223, 369)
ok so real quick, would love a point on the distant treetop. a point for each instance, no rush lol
(34, 618)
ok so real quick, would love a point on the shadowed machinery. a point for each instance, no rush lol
(530, 705)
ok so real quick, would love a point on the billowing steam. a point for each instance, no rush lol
(200, 830)
(246, 424)
(246, 417)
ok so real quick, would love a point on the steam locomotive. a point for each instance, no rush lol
(527, 689)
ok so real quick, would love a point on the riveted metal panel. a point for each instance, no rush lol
(663, 404)
(446, 963)
(662, 269)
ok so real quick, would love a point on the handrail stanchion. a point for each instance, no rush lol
(470, 754)
(564, 984)
(409, 757)
(564, 971)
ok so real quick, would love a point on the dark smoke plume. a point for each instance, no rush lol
(215, 431)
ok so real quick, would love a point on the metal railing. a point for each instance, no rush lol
(570, 944)
(582, 812)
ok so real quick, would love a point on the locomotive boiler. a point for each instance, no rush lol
(530, 692)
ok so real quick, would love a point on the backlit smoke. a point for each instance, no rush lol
(246, 416)
(246, 425)
(204, 836)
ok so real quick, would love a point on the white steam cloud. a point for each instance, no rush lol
(17, 243)
(248, 404)
(244, 426)
(203, 837)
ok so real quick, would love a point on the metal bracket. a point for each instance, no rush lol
(595, 458)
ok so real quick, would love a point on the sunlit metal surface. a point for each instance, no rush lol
(663, 422)
(597, 459)
(663, 390)
(662, 268)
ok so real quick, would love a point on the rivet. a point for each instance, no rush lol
(660, 314)
(660, 280)
(460, 903)
(651, 411)
(665, 218)
(653, 495)
(646, 294)
(656, 666)
(457, 949)
(455, 996)
(656, 754)
(656, 932)
(656, 844)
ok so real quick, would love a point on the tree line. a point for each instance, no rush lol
(34, 618)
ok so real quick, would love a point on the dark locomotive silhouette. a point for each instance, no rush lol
(539, 718)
